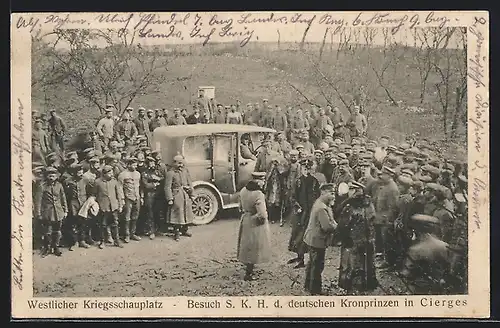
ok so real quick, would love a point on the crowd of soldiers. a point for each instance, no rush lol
(401, 207)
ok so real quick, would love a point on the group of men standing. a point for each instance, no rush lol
(401, 208)
(102, 194)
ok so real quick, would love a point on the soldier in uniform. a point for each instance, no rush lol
(219, 115)
(162, 119)
(279, 120)
(130, 180)
(90, 176)
(51, 209)
(76, 193)
(126, 131)
(234, 117)
(328, 165)
(283, 144)
(109, 196)
(39, 142)
(427, 257)
(306, 192)
(400, 232)
(178, 192)
(105, 127)
(264, 157)
(150, 181)
(57, 129)
(320, 227)
(37, 183)
(338, 123)
(254, 236)
(290, 178)
(142, 124)
(273, 189)
(308, 146)
(385, 201)
(177, 119)
(356, 232)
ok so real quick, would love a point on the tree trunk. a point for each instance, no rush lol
(323, 44)
(331, 42)
(456, 114)
(279, 39)
(304, 37)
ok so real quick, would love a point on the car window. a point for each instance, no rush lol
(256, 138)
(222, 147)
(197, 148)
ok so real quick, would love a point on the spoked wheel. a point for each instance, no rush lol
(205, 205)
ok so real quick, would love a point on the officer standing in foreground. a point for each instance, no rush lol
(130, 180)
(178, 192)
(52, 209)
(321, 225)
(76, 192)
(254, 234)
(109, 196)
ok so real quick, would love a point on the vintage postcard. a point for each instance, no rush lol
(250, 164)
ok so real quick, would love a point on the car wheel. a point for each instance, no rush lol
(205, 205)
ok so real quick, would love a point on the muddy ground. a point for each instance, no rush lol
(203, 265)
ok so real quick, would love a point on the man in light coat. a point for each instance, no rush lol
(178, 191)
(320, 227)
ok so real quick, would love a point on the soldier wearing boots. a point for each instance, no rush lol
(306, 192)
(51, 209)
(178, 192)
(76, 193)
(130, 179)
(109, 196)
(90, 176)
(150, 181)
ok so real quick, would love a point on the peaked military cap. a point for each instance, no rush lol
(405, 180)
(75, 167)
(107, 168)
(388, 170)
(356, 185)
(426, 219)
(425, 178)
(344, 162)
(51, 170)
(94, 159)
(258, 175)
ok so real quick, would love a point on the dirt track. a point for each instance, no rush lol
(203, 265)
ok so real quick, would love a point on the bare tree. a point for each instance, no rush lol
(427, 42)
(450, 66)
(369, 35)
(106, 66)
(302, 42)
(389, 51)
(279, 39)
(323, 43)
(460, 113)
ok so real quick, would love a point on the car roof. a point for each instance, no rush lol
(202, 129)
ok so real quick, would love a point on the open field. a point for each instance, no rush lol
(267, 73)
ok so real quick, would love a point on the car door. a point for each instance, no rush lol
(224, 147)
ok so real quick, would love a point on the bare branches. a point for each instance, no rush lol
(103, 66)
(302, 94)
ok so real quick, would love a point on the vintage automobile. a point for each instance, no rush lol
(213, 157)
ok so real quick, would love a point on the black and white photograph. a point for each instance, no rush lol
(253, 154)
